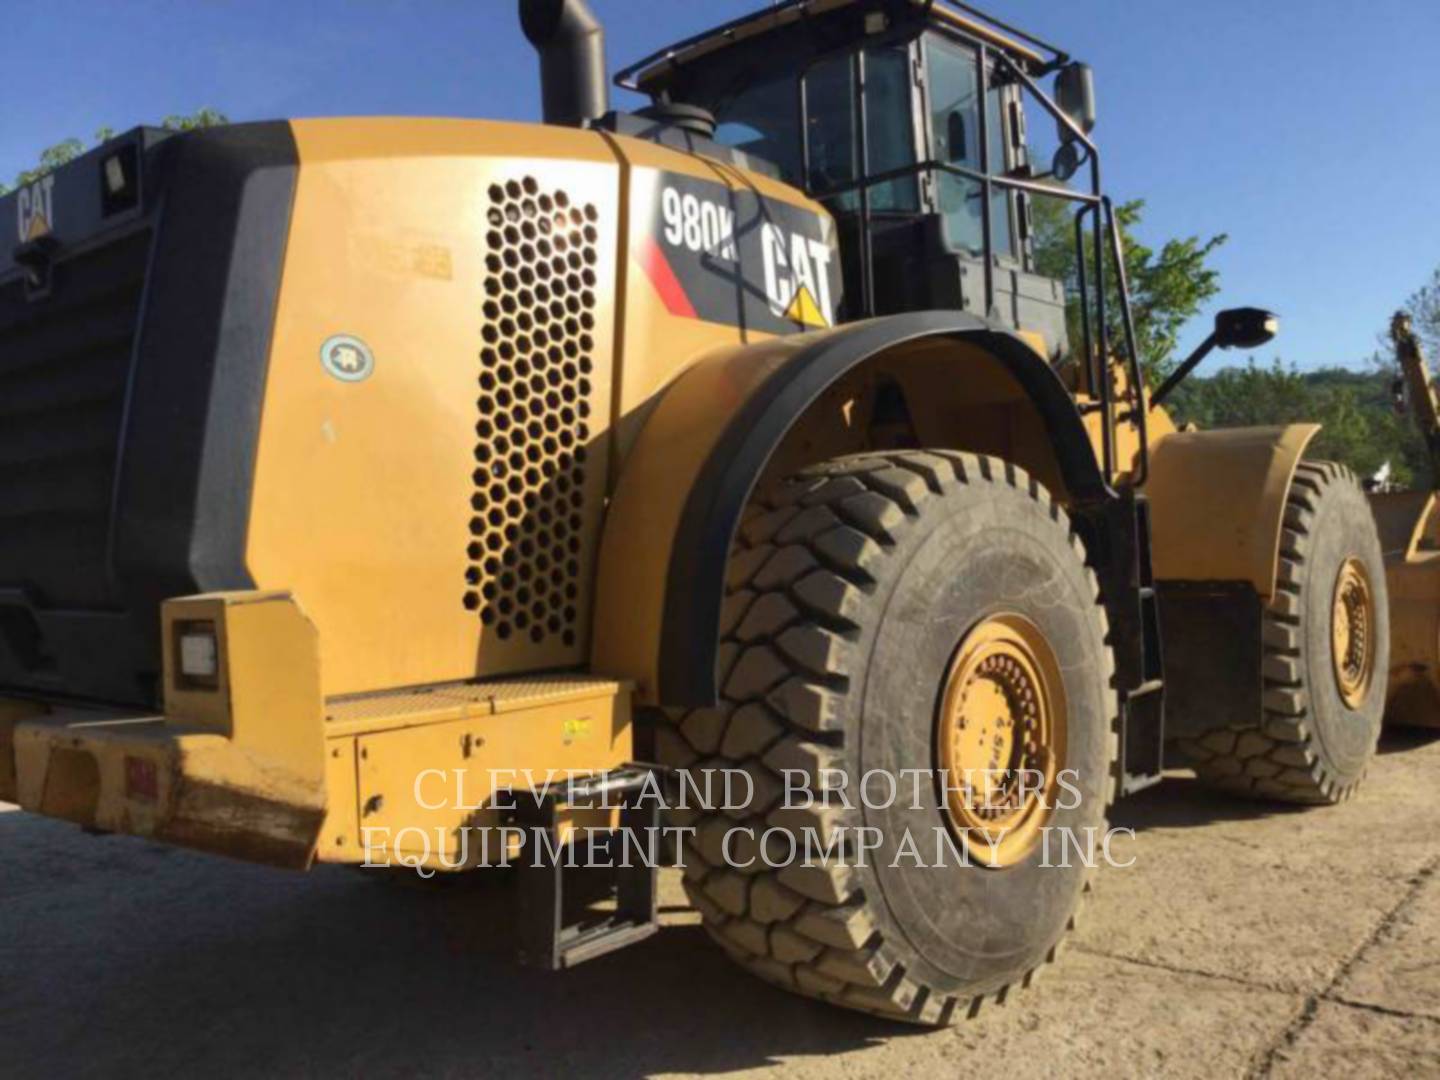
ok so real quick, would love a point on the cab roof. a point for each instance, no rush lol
(650, 74)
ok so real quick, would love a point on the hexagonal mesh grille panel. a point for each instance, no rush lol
(525, 576)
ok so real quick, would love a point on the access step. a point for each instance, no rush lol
(553, 934)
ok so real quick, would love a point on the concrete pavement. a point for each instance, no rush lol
(1245, 941)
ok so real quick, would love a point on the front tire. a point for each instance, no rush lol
(1326, 641)
(859, 592)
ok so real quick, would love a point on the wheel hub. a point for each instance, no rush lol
(1001, 738)
(1352, 632)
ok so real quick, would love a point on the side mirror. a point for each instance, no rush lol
(1238, 328)
(1075, 94)
(1245, 328)
(1067, 161)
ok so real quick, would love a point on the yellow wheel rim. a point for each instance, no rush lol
(1352, 632)
(1000, 739)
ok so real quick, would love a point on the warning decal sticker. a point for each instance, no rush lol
(735, 257)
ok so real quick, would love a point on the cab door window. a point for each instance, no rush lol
(954, 105)
(834, 129)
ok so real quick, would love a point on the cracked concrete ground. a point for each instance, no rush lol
(1245, 941)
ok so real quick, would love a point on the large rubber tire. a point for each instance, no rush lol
(1308, 745)
(848, 591)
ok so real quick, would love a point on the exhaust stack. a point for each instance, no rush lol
(571, 44)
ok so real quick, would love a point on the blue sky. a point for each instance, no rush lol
(1308, 130)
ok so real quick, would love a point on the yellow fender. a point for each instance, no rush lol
(704, 446)
(1217, 502)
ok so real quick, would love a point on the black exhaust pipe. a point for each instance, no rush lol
(571, 44)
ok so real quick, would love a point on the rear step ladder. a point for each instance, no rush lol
(1140, 660)
(547, 940)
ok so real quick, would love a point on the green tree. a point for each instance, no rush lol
(1167, 287)
(52, 157)
(202, 117)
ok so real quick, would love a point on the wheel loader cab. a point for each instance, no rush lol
(908, 123)
(905, 121)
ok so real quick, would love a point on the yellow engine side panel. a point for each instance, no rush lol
(468, 338)
(379, 501)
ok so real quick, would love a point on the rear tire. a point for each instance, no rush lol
(1326, 641)
(851, 592)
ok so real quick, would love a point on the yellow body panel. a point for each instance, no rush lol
(363, 501)
(437, 794)
(1217, 502)
(1407, 523)
(72, 764)
(268, 701)
(340, 834)
(237, 769)
(1126, 433)
(11, 713)
(511, 732)
(380, 502)
(373, 506)
(956, 396)
(261, 768)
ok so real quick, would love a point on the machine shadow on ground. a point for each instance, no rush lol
(1401, 740)
(124, 958)
(1182, 801)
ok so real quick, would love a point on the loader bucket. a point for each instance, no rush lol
(1407, 523)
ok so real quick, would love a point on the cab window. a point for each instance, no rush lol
(954, 105)
(762, 119)
(889, 129)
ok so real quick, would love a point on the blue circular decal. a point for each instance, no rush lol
(347, 358)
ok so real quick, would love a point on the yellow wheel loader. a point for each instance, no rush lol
(450, 493)
(1408, 527)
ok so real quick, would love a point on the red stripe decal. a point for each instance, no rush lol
(657, 269)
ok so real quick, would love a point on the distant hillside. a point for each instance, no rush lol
(1362, 427)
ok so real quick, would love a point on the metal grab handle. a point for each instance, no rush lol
(1137, 378)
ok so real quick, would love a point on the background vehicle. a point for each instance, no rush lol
(1407, 530)
(451, 451)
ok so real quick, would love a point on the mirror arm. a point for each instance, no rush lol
(1179, 374)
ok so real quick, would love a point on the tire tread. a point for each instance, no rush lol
(807, 928)
(1278, 756)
